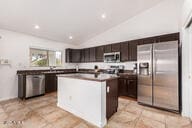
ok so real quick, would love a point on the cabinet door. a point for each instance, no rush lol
(168, 37)
(107, 48)
(133, 49)
(99, 53)
(76, 55)
(112, 97)
(50, 83)
(115, 47)
(87, 55)
(68, 55)
(149, 40)
(124, 51)
(123, 90)
(92, 55)
(132, 88)
(82, 55)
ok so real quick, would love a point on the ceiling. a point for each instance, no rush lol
(59, 19)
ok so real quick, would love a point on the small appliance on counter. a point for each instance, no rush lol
(77, 68)
(115, 69)
(96, 69)
(135, 68)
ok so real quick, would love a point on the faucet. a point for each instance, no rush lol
(52, 68)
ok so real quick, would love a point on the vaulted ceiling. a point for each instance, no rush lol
(59, 19)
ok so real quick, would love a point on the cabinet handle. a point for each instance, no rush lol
(108, 89)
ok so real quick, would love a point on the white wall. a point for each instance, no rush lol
(15, 47)
(161, 19)
(187, 60)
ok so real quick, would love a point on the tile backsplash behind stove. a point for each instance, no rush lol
(127, 65)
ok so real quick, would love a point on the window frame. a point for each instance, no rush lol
(47, 53)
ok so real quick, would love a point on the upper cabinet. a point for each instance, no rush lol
(115, 47)
(73, 55)
(82, 55)
(127, 49)
(87, 55)
(68, 55)
(168, 37)
(99, 53)
(124, 51)
(76, 55)
(107, 48)
(92, 54)
(132, 50)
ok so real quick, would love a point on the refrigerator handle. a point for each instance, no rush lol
(151, 62)
(154, 64)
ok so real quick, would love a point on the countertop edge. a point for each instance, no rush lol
(83, 78)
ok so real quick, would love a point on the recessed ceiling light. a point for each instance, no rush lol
(103, 16)
(36, 27)
(70, 37)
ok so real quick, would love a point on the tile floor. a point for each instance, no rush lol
(42, 112)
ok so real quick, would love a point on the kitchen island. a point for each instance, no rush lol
(92, 97)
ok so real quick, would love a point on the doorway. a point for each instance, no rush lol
(187, 71)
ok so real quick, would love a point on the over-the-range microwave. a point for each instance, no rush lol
(113, 57)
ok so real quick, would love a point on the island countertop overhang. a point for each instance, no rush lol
(91, 77)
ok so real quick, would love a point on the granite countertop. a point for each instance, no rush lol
(93, 77)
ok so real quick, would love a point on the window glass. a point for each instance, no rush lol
(38, 57)
(44, 58)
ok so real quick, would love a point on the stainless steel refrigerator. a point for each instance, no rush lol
(158, 79)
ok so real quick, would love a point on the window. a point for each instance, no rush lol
(44, 58)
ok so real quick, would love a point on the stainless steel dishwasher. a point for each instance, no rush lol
(35, 85)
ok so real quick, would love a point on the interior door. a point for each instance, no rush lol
(144, 57)
(165, 75)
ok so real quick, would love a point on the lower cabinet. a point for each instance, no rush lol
(128, 87)
(112, 97)
(50, 83)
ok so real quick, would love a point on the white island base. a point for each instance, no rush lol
(83, 98)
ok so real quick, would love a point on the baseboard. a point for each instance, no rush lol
(10, 98)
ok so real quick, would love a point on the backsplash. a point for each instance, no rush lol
(127, 65)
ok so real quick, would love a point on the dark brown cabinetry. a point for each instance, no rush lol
(92, 55)
(168, 37)
(76, 55)
(68, 55)
(132, 88)
(115, 47)
(128, 87)
(112, 97)
(128, 49)
(87, 55)
(107, 48)
(50, 83)
(82, 55)
(124, 51)
(132, 50)
(99, 53)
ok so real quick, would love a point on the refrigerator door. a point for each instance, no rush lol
(165, 75)
(144, 73)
